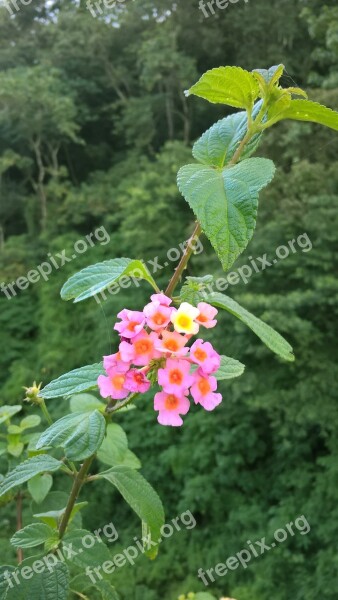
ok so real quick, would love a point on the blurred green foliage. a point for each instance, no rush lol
(93, 128)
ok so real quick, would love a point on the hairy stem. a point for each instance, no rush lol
(184, 261)
(45, 411)
(19, 551)
(77, 485)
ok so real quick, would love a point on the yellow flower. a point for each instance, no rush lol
(183, 319)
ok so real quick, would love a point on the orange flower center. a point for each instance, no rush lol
(159, 318)
(176, 376)
(202, 318)
(171, 402)
(143, 346)
(204, 386)
(200, 354)
(118, 381)
(132, 325)
(171, 345)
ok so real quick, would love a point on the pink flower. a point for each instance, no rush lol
(114, 361)
(131, 324)
(172, 343)
(207, 314)
(157, 315)
(127, 352)
(162, 299)
(136, 381)
(203, 391)
(175, 378)
(204, 355)
(170, 407)
(113, 385)
(144, 350)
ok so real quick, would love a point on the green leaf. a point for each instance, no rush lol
(227, 85)
(142, 498)
(218, 144)
(269, 336)
(79, 434)
(86, 403)
(33, 535)
(108, 592)
(73, 382)
(230, 367)
(97, 278)
(4, 584)
(15, 447)
(30, 422)
(271, 75)
(305, 110)
(192, 290)
(47, 585)
(53, 517)
(225, 202)
(6, 412)
(114, 446)
(96, 554)
(204, 596)
(28, 469)
(39, 486)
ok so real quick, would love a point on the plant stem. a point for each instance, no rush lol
(45, 411)
(184, 261)
(19, 552)
(77, 485)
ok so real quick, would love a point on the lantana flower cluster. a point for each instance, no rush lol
(154, 348)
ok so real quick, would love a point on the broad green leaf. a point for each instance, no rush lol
(95, 554)
(230, 367)
(305, 110)
(74, 382)
(192, 289)
(39, 486)
(4, 584)
(84, 584)
(218, 144)
(15, 447)
(227, 85)
(225, 202)
(131, 460)
(86, 403)
(79, 434)
(28, 469)
(204, 596)
(114, 446)
(269, 336)
(97, 278)
(30, 422)
(271, 75)
(142, 498)
(53, 517)
(108, 592)
(6, 412)
(47, 585)
(33, 535)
